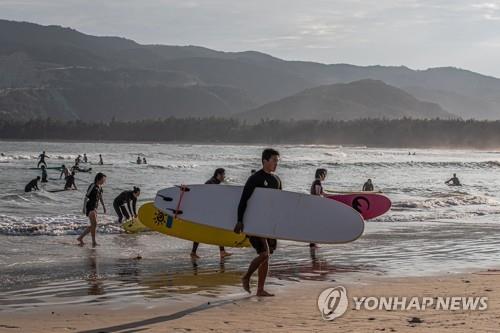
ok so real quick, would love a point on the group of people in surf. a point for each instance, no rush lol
(141, 161)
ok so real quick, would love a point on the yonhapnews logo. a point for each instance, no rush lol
(333, 303)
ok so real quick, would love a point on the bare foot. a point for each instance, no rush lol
(80, 241)
(95, 244)
(194, 255)
(246, 284)
(264, 293)
(224, 254)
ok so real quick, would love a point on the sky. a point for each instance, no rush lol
(419, 34)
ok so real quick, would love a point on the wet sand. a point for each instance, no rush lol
(293, 309)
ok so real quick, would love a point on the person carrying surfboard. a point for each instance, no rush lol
(217, 178)
(42, 158)
(91, 203)
(317, 189)
(123, 199)
(264, 178)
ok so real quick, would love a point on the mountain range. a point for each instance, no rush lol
(57, 72)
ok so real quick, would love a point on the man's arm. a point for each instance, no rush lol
(245, 196)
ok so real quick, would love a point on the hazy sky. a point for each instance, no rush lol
(415, 33)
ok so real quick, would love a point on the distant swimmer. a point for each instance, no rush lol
(317, 189)
(217, 178)
(368, 186)
(85, 159)
(125, 198)
(32, 185)
(101, 162)
(144, 161)
(44, 174)
(78, 160)
(264, 247)
(138, 160)
(453, 181)
(42, 158)
(64, 172)
(70, 182)
(91, 203)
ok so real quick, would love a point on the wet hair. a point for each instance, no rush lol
(268, 153)
(63, 166)
(73, 172)
(320, 172)
(136, 189)
(219, 171)
(99, 176)
(37, 177)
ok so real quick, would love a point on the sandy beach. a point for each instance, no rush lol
(293, 309)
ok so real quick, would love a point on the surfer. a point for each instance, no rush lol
(368, 186)
(101, 162)
(91, 202)
(453, 180)
(144, 161)
(125, 198)
(264, 247)
(138, 160)
(42, 158)
(85, 159)
(317, 189)
(44, 174)
(32, 185)
(217, 178)
(70, 182)
(64, 171)
(78, 159)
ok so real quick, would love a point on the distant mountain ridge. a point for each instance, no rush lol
(51, 71)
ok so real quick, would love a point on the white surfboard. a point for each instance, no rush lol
(270, 213)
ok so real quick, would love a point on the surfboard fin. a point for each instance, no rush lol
(175, 211)
(165, 198)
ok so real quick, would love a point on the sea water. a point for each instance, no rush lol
(432, 228)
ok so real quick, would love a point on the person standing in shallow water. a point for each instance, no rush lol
(317, 189)
(217, 178)
(368, 186)
(264, 247)
(91, 203)
(42, 158)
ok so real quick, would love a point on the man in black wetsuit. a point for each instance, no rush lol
(453, 180)
(265, 178)
(217, 178)
(42, 159)
(368, 186)
(123, 199)
(70, 182)
(32, 185)
(100, 159)
(44, 174)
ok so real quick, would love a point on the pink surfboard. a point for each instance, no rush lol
(369, 205)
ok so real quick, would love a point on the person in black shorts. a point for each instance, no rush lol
(92, 199)
(123, 199)
(217, 178)
(264, 247)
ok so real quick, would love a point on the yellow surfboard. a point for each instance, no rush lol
(166, 224)
(133, 226)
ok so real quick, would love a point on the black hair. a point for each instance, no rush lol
(219, 171)
(252, 171)
(268, 153)
(320, 172)
(136, 189)
(37, 177)
(42, 167)
(99, 176)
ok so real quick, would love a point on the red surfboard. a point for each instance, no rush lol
(369, 205)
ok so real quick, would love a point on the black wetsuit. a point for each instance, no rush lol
(265, 180)
(42, 160)
(119, 205)
(32, 185)
(70, 182)
(368, 187)
(215, 181)
(44, 175)
(94, 195)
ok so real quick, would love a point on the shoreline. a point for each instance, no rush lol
(293, 308)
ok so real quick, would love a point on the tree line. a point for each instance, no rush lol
(404, 132)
